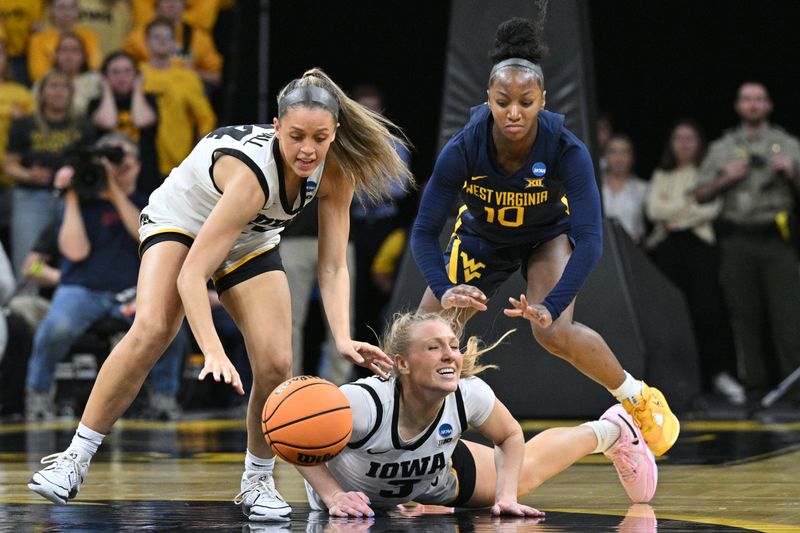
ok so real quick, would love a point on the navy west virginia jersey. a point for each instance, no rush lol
(503, 217)
(525, 205)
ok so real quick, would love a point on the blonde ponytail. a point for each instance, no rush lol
(365, 141)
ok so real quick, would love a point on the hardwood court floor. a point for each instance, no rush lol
(720, 476)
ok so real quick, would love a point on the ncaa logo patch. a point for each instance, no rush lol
(445, 430)
(310, 186)
(539, 169)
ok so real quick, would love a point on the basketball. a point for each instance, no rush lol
(307, 420)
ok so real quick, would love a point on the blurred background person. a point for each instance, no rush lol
(624, 193)
(110, 19)
(43, 44)
(71, 59)
(98, 241)
(373, 222)
(19, 19)
(682, 244)
(38, 145)
(15, 102)
(192, 47)
(124, 107)
(185, 113)
(299, 242)
(754, 170)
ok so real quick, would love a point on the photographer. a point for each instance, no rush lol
(754, 170)
(98, 240)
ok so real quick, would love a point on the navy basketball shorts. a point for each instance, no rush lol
(474, 260)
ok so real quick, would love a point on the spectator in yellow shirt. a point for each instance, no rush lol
(71, 59)
(15, 102)
(109, 19)
(192, 46)
(200, 14)
(42, 51)
(185, 113)
(19, 19)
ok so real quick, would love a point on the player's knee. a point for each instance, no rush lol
(271, 371)
(152, 333)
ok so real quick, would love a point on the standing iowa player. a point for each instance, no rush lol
(530, 202)
(219, 215)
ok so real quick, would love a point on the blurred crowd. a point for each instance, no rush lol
(107, 96)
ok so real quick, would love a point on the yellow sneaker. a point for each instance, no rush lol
(660, 427)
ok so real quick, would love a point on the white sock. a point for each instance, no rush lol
(253, 463)
(87, 440)
(606, 432)
(629, 390)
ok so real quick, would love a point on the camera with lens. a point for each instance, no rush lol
(90, 179)
(757, 161)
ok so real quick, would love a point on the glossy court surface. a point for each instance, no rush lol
(154, 476)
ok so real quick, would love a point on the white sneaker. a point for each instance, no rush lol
(62, 479)
(260, 500)
(727, 385)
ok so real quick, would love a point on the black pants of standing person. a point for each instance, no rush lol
(368, 236)
(693, 265)
(14, 366)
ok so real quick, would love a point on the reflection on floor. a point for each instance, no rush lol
(720, 476)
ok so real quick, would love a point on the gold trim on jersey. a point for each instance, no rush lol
(240, 262)
(452, 271)
(162, 231)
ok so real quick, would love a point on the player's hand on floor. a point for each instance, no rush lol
(366, 355)
(350, 504)
(515, 509)
(536, 313)
(464, 296)
(223, 370)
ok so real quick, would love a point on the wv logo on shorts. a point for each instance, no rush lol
(471, 269)
(446, 434)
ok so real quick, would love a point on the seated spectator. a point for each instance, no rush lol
(623, 193)
(40, 276)
(200, 14)
(15, 102)
(71, 59)
(98, 240)
(184, 112)
(124, 107)
(19, 19)
(42, 50)
(38, 145)
(110, 19)
(192, 47)
(682, 244)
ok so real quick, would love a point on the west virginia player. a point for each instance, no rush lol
(530, 202)
(219, 215)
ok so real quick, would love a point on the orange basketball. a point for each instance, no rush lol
(307, 420)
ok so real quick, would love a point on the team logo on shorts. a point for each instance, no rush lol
(539, 169)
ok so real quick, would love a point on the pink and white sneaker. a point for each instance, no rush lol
(633, 460)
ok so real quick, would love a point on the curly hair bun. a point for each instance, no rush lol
(517, 37)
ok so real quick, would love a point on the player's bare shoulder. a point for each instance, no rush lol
(334, 179)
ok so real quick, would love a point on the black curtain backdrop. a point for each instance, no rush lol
(654, 62)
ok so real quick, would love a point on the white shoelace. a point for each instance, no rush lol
(261, 484)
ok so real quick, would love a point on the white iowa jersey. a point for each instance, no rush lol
(391, 471)
(187, 196)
